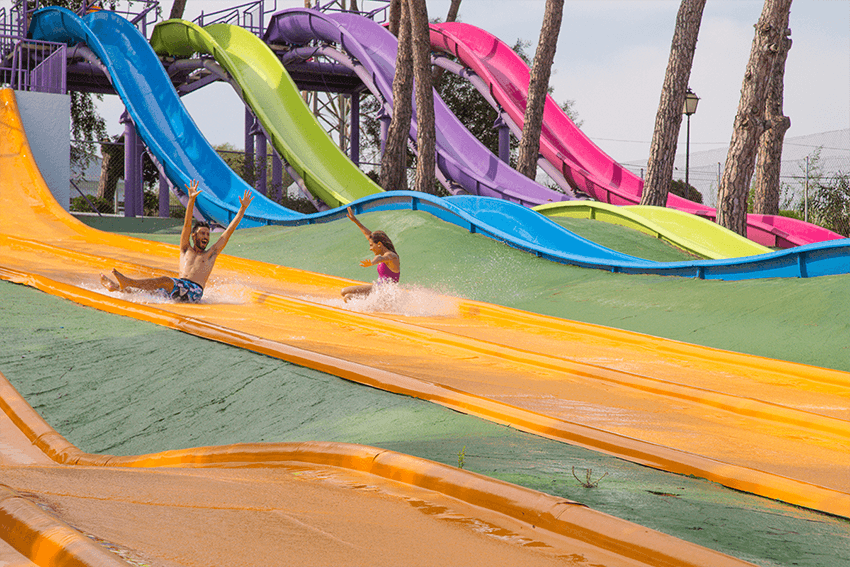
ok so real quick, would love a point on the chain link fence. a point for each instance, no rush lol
(97, 182)
(814, 177)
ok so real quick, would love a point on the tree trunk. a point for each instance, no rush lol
(437, 73)
(541, 70)
(750, 119)
(177, 10)
(668, 119)
(769, 164)
(111, 168)
(394, 160)
(394, 20)
(426, 136)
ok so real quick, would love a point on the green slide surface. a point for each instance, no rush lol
(267, 88)
(686, 231)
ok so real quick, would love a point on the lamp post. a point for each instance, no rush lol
(691, 101)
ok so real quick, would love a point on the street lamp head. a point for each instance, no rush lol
(691, 101)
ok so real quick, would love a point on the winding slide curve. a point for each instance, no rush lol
(173, 138)
(460, 155)
(578, 158)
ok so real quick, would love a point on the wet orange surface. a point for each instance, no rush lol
(291, 504)
(770, 427)
(673, 406)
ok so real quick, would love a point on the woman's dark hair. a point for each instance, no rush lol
(381, 236)
(200, 224)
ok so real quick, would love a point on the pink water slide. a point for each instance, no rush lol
(583, 163)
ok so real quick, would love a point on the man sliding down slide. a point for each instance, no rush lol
(196, 262)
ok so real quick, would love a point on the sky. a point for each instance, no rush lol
(611, 59)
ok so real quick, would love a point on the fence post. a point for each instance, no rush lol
(806, 193)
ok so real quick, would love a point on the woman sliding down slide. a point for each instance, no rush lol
(386, 258)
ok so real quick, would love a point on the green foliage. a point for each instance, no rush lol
(80, 204)
(828, 197)
(235, 159)
(791, 214)
(829, 203)
(689, 192)
(86, 125)
(461, 457)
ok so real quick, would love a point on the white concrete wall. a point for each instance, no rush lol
(47, 123)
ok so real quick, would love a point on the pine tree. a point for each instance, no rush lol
(541, 70)
(750, 118)
(394, 158)
(767, 182)
(668, 119)
(426, 136)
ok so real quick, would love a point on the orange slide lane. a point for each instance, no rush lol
(548, 529)
(768, 427)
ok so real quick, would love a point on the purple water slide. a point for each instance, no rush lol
(461, 157)
(583, 163)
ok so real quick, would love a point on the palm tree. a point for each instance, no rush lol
(668, 119)
(541, 70)
(750, 118)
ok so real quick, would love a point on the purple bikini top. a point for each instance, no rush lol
(385, 273)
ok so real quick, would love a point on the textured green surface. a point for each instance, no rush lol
(116, 385)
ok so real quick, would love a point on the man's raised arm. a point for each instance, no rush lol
(193, 192)
(225, 236)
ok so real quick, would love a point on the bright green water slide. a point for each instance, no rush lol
(683, 230)
(264, 84)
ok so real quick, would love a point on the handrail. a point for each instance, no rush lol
(331, 7)
(33, 65)
(86, 197)
(241, 15)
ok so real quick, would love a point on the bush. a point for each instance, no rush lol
(689, 192)
(829, 203)
(84, 205)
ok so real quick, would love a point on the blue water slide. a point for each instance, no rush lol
(157, 112)
(174, 139)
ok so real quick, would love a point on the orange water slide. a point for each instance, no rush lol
(768, 427)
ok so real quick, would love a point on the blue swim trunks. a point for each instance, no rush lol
(186, 290)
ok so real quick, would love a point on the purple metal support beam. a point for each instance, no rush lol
(277, 177)
(384, 118)
(131, 174)
(262, 163)
(355, 128)
(504, 139)
(164, 197)
(248, 173)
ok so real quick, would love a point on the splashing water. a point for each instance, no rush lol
(389, 298)
(411, 301)
(230, 293)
